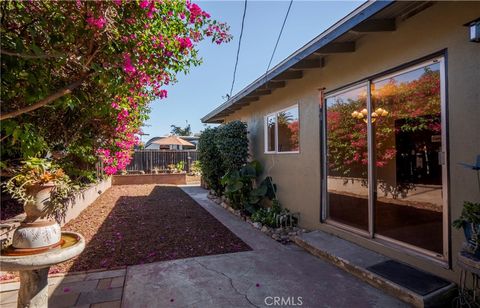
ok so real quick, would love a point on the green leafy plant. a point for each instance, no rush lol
(470, 215)
(274, 216)
(78, 76)
(210, 160)
(469, 221)
(180, 166)
(172, 168)
(266, 189)
(268, 216)
(195, 168)
(232, 144)
(38, 171)
(239, 186)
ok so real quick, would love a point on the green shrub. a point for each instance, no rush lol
(195, 168)
(210, 159)
(274, 216)
(266, 188)
(239, 186)
(180, 166)
(470, 215)
(232, 144)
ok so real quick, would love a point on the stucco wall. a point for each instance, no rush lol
(298, 175)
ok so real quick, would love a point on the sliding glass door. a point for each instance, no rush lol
(384, 159)
(347, 158)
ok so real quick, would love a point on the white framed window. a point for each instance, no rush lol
(282, 131)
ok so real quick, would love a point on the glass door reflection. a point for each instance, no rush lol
(347, 158)
(408, 144)
(394, 188)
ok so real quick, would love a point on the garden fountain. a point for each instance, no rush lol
(33, 267)
(38, 242)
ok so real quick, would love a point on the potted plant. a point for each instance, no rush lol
(171, 168)
(43, 188)
(180, 167)
(469, 221)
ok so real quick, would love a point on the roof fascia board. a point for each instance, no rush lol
(357, 16)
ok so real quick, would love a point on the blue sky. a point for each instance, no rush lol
(199, 92)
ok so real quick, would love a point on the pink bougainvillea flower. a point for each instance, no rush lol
(142, 63)
(162, 94)
(184, 42)
(127, 64)
(96, 22)
(144, 4)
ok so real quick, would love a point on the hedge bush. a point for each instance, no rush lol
(232, 144)
(210, 159)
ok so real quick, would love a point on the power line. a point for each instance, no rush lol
(279, 36)
(238, 49)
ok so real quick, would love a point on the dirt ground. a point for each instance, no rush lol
(137, 224)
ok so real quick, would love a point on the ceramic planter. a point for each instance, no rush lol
(36, 232)
(472, 232)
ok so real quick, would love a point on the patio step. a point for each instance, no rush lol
(408, 284)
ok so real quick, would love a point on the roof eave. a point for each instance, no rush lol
(359, 15)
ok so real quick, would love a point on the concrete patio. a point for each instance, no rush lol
(270, 275)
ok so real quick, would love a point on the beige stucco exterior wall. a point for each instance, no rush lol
(298, 175)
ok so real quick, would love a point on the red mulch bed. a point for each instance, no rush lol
(139, 224)
(10, 207)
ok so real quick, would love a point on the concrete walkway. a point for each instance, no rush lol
(271, 275)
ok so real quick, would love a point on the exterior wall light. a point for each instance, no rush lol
(474, 27)
(362, 115)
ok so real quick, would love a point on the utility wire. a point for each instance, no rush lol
(279, 36)
(238, 49)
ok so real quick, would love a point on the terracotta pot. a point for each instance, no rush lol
(36, 209)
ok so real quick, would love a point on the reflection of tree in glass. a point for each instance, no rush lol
(288, 129)
(284, 118)
(414, 101)
(346, 138)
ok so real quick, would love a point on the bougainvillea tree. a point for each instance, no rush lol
(77, 76)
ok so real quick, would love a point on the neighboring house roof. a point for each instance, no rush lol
(372, 16)
(173, 140)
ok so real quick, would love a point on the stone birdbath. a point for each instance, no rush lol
(38, 242)
(33, 268)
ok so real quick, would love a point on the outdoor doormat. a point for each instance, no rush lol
(408, 277)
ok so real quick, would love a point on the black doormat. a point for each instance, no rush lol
(408, 277)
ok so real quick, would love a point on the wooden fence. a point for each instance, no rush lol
(148, 160)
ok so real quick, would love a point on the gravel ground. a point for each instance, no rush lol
(9, 207)
(137, 224)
